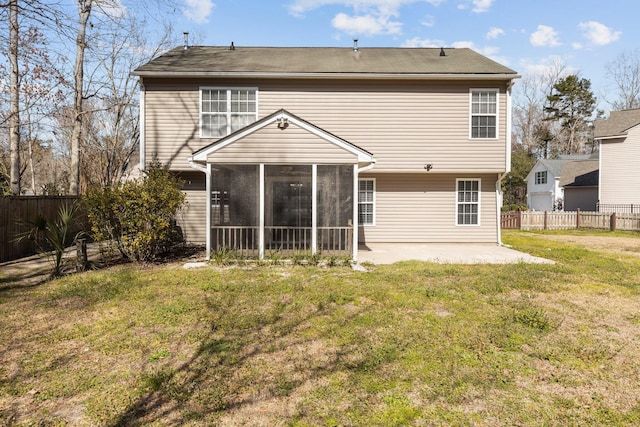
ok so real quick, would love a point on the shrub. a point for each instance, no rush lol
(53, 234)
(138, 216)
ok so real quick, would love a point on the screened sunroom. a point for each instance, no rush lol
(287, 189)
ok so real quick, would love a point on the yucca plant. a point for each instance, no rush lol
(52, 236)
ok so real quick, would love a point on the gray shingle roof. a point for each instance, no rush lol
(579, 173)
(261, 61)
(619, 123)
(554, 166)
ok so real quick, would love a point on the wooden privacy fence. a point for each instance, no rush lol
(16, 210)
(566, 220)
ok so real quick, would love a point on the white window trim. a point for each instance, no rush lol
(228, 89)
(479, 202)
(539, 173)
(373, 222)
(471, 115)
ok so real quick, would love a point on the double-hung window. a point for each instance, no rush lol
(366, 201)
(224, 111)
(484, 114)
(541, 177)
(468, 202)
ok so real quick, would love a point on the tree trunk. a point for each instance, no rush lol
(14, 124)
(84, 11)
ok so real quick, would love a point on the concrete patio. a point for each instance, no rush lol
(443, 253)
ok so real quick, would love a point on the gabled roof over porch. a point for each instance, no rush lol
(283, 137)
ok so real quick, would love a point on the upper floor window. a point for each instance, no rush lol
(484, 113)
(224, 111)
(468, 202)
(541, 177)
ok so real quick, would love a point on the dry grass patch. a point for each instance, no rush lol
(408, 344)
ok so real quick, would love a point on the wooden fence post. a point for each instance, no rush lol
(81, 255)
(613, 222)
(545, 219)
(578, 218)
(519, 220)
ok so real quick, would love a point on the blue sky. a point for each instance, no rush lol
(525, 35)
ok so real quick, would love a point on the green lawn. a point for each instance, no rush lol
(407, 344)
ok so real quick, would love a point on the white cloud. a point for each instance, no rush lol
(300, 7)
(577, 46)
(480, 6)
(494, 33)
(366, 24)
(544, 36)
(198, 10)
(428, 21)
(550, 65)
(599, 34)
(418, 42)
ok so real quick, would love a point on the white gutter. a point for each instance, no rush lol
(366, 168)
(196, 166)
(359, 76)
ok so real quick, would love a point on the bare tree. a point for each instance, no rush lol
(624, 73)
(84, 12)
(14, 126)
(531, 131)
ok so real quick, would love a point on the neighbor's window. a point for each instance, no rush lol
(366, 201)
(484, 113)
(468, 202)
(224, 111)
(541, 177)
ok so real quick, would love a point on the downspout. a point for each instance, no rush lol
(207, 172)
(499, 207)
(507, 164)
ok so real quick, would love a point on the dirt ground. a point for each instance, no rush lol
(617, 244)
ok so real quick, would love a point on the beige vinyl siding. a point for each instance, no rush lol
(422, 208)
(619, 177)
(290, 145)
(404, 124)
(192, 217)
(172, 120)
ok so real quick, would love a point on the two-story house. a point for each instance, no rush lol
(326, 149)
(619, 146)
(568, 183)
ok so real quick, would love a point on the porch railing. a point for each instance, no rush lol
(242, 240)
(245, 240)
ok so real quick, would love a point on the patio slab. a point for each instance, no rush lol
(445, 253)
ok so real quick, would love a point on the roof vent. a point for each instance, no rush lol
(442, 52)
(355, 45)
(186, 40)
(232, 47)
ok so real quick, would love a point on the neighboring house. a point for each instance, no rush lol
(580, 183)
(543, 185)
(325, 149)
(567, 183)
(619, 139)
